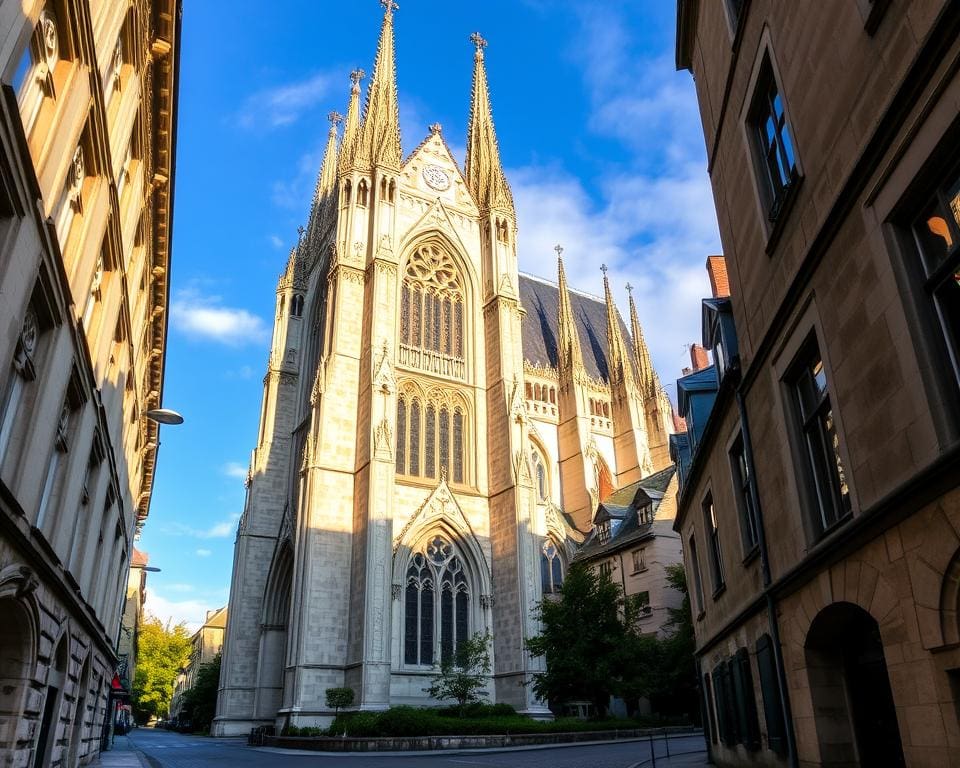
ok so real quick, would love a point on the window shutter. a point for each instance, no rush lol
(770, 689)
(750, 730)
(720, 701)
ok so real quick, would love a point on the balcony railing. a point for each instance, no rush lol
(430, 361)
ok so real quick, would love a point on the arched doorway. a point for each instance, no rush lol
(275, 620)
(17, 656)
(853, 707)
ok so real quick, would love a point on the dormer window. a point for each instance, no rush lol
(603, 532)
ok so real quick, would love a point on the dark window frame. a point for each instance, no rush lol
(813, 417)
(712, 528)
(742, 491)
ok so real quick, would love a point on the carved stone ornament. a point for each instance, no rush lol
(319, 382)
(439, 505)
(487, 601)
(50, 39)
(27, 345)
(522, 469)
(28, 582)
(518, 404)
(383, 379)
(383, 440)
(63, 426)
(396, 590)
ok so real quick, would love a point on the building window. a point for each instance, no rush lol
(434, 628)
(540, 473)
(606, 568)
(639, 560)
(735, 702)
(432, 313)
(711, 711)
(551, 568)
(603, 532)
(937, 231)
(70, 203)
(61, 445)
(697, 578)
(770, 689)
(643, 604)
(745, 505)
(713, 537)
(24, 371)
(35, 78)
(296, 305)
(94, 294)
(774, 145)
(822, 464)
(443, 427)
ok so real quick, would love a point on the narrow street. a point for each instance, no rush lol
(164, 749)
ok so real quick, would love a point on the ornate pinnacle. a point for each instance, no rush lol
(356, 76)
(436, 128)
(478, 41)
(301, 231)
(335, 118)
(389, 6)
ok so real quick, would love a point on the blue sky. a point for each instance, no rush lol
(599, 136)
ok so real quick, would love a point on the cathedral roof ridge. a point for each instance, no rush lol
(555, 284)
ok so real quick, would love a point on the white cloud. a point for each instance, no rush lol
(204, 317)
(191, 612)
(204, 553)
(180, 587)
(234, 469)
(284, 104)
(220, 530)
(276, 242)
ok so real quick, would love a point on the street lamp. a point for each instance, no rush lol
(164, 416)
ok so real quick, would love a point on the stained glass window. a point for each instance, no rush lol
(401, 436)
(457, 446)
(458, 328)
(447, 327)
(430, 458)
(405, 315)
(427, 319)
(436, 324)
(415, 438)
(445, 439)
(435, 567)
(551, 568)
(415, 313)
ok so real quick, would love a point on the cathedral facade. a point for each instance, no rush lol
(436, 431)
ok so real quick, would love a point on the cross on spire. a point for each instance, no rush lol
(559, 249)
(477, 39)
(629, 288)
(603, 268)
(335, 118)
(389, 6)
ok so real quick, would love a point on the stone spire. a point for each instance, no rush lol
(568, 345)
(483, 171)
(618, 363)
(380, 134)
(322, 208)
(351, 128)
(646, 375)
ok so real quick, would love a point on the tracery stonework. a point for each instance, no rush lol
(394, 562)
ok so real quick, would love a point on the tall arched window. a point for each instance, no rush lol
(540, 475)
(432, 435)
(432, 313)
(433, 628)
(551, 568)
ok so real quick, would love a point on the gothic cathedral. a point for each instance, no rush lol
(436, 432)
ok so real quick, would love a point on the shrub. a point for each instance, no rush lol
(339, 697)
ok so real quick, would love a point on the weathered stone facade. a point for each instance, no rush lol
(87, 111)
(837, 619)
(416, 423)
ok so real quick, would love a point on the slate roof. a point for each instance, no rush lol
(540, 299)
(619, 506)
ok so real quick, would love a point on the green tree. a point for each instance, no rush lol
(583, 639)
(200, 701)
(679, 692)
(339, 697)
(162, 652)
(462, 675)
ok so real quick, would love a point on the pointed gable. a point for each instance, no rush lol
(432, 171)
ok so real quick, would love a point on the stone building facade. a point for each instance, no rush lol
(819, 508)
(205, 644)
(437, 430)
(87, 105)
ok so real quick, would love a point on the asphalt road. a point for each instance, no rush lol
(173, 750)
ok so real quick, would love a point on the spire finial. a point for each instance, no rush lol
(604, 268)
(629, 288)
(436, 128)
(356, 76)
(559, 249)
(335, 118)
(389, 6)
(477, 39)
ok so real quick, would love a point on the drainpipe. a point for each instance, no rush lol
(774, 624)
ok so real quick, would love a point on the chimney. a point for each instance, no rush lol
(717, 270)
(698, 357)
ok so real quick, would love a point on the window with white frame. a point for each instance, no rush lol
(639, 560)
(551, 568)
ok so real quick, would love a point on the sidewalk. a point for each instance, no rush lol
(688, 761)
(121, 755)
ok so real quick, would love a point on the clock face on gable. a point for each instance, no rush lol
(436, 178)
